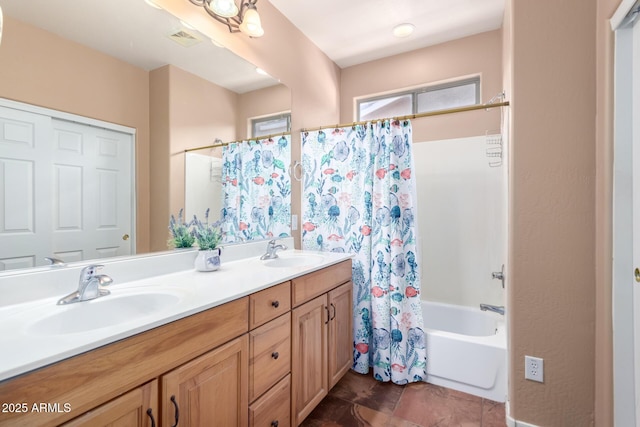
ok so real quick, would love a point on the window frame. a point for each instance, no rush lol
(424, 89)
(260, 119)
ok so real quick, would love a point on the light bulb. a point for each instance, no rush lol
(224, 8)
(251, 23)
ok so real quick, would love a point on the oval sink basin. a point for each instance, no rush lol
(102, 312)
(294, 260)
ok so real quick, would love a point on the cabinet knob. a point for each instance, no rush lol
(275, 354)
(275, 304)
(274, 423)
(636, 274)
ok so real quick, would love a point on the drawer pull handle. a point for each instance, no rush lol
(274, 423)
(173, 400)
(334, 311)
(275, 355)
(275, 304)
(328, 315)
(153, 421)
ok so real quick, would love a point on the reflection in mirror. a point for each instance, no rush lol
(255, 201)
(108, 61)
(203, 182)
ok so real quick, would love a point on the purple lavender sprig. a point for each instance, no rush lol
(208, 235)
(181, 236)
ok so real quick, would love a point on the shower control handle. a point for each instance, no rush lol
(499, 275)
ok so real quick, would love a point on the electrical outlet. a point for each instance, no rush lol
(534, 368)
(294, 222)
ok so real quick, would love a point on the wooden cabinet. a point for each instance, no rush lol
(252, 361)
(137, 408)
(321, 336)
(273, 409)
(270, 357)
(340, 347)
(269, 304)
(209, 390)
(91, 379)
(309, 365)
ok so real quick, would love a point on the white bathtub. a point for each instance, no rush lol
(466, 350)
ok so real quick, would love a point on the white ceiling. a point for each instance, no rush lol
(355, 31)
(349, 32)
(136, 33)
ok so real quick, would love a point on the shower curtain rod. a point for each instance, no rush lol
(222, 144)
(417, 116)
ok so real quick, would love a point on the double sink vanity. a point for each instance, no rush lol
(258, 342)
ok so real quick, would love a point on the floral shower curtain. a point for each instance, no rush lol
(359, 197)
(256, 189)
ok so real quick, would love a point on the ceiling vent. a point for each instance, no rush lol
(184, 37)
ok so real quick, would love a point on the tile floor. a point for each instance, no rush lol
(359, 400)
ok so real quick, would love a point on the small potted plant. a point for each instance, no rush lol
(181, 235)
(209, 237)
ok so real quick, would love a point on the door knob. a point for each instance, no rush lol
(636, 273)
(125, 237)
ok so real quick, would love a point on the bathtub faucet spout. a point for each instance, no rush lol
(494, 308)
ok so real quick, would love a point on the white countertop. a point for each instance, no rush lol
(27, 344)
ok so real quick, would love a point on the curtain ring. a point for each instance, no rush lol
(292, 171)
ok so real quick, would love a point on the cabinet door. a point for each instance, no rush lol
(211, 390)
(137, 408)
(309, 357)
(340, 332)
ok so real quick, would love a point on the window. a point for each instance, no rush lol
(456, 94)
(270, 125)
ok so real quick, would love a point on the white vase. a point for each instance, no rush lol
(208, 259)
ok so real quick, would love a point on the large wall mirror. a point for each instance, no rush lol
(138, 67)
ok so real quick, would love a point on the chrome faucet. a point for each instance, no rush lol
(271, 250)
(494, 308)
(55, 262)
(90, 286)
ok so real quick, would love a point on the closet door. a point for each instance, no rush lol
(25, 153)
(92, 192)
(66, 190)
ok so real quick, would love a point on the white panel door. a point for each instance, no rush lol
(25, 153)
(91, 191)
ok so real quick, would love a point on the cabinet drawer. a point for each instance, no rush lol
(269, 304)
(269, 355)
(273, 409)
(319, 282)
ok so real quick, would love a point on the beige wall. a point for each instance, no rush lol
(40, 68)
(261, 102)
(475, 55)
(551, 302)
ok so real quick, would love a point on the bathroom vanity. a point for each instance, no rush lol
(237, 354)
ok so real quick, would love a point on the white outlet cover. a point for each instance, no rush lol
(534, 368)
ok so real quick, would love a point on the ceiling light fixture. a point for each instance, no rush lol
(403, 30)
(245, 19)
(152, 4)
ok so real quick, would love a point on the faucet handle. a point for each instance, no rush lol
(89, 271)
